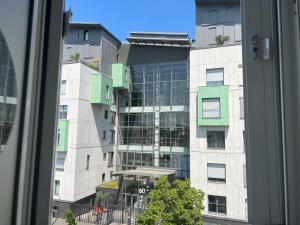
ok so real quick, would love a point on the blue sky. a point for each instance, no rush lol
(123, 16)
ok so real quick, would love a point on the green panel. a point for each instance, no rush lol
(221, 92)
(121, 76)
(63, 134)
(99, 84)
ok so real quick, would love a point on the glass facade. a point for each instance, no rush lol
(159, 95)
(8, 93)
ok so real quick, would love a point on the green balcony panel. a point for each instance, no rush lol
(207, 93)
(62, 135)
(101, 89)
(121, 76)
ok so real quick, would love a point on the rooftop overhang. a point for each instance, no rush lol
(205, 2)
(145, 173)
(160, 39)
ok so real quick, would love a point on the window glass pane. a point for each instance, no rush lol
(211, 108)
(242, 108)
(63, 112)
(63, 87)
(216, 139)
(215, 77)
(216, 172)
(241, 78)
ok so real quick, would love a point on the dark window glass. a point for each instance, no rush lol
(216, 139)
(217, 204)
(106, 114)
(63, 112)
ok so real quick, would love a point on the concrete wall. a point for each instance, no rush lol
(100, 47)
(217, 19)
(85, 137)
(233, 156)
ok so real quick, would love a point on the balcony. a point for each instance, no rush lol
(213, 106)
(62, 136)
(121, 76)
(101, 89)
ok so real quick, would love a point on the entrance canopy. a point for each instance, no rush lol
(146, 173)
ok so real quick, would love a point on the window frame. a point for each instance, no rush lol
(207, 73)
(216, 180)
(215, 137)
(203, 100)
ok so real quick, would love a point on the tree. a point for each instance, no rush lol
(100, 196)
(173, 204)
(69, 217)
(75, 56)
(221, 39)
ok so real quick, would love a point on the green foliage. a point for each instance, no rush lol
(75, 56)
(221, 39)
(100, 196)
(69, 217)
(175, 204)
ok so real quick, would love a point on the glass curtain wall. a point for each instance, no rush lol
(152, 87)
(8, 93)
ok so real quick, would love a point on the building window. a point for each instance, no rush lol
(104, 156)
(242, 109)
(63, 84)
(112, 137)
(107, 92)
(241, 76)
(245, 176)
(126, 75)
(56, 187)
(63, 112)
(113, 117)
(58, 136)
(85, 35)
(246, 208)
(216, 172)
(103, 177)
(88, 162)
(106, 114)
(111, 174)
(211, 108)
(215, 77)
(60, 160)
(216, 139)
(217, 204)
(110, 159)
(104, 135)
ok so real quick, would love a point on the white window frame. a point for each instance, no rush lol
(213, 71)
(214, 173)
(203, 109)
(63, 87)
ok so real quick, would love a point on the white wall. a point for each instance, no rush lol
(85, 137)
(230, 58)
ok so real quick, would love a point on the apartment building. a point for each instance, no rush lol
(86, 140)
(217, 154)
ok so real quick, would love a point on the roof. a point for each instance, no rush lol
(145, 173)
(217, 1)
(92, 25)
(160, 39)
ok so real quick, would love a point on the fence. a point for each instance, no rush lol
(108, 216)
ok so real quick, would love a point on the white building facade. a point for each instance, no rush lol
(86, 134)
(217, 157)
